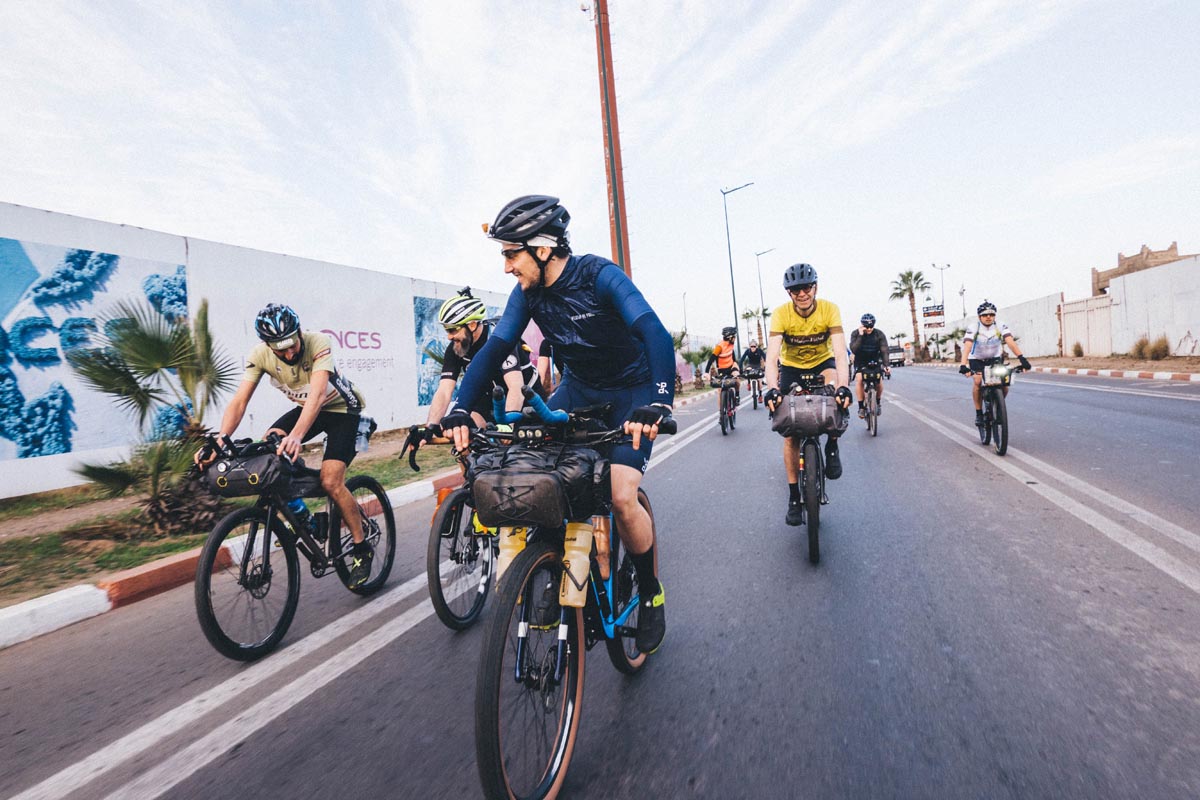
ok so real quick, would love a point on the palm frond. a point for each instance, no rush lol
(114, 479)
(144, 339)
(106, 371)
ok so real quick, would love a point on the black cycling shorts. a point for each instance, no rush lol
(789, 375)
(977, 364)
(340, 431)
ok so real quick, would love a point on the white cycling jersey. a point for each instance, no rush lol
(987, 341)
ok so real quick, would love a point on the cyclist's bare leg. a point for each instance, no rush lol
(975, 393)
(333, 481)
(791, 459)
(858, 389)
(633, 523)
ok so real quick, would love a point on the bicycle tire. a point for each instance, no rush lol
(733, 407)
(458, 563)
(622, 651)
(724, 415)
(512, 765)
(375, 500)
(754, 396)
(873, 411)
(985, 430)
(246, 622)
(812, 499)
(1000, 425)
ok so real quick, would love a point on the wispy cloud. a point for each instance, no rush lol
(1144, 161)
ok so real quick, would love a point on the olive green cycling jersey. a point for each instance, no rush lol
(294, 380)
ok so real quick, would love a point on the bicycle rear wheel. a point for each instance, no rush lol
(245, 601)
(379, 528)
(623, 651)
(458, 562)
(1000, 424)
(812, 498)
(525, 722)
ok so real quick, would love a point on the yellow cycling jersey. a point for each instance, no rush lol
(806, 339)
(294, 379)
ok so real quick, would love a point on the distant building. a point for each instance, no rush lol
(1145, 259)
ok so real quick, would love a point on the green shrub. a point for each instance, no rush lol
(1077, 350)
(1160, 349)
(1141, 348)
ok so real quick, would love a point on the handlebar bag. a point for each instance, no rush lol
(809, 415)
(537, 486)
(239, 476)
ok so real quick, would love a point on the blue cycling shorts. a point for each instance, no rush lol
(573, 394)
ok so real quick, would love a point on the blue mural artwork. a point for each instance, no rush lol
(50, 299)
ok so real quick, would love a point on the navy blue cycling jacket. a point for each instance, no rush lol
(605, 334)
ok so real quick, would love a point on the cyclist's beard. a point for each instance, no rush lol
(291, 362)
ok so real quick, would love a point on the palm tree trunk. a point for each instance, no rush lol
(912, 307)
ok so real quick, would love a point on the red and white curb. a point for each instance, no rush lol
(1192, 377)
(32, 618)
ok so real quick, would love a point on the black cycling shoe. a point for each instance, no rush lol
(652, 621)
(361, 556)
(833, 463)
(795, 513)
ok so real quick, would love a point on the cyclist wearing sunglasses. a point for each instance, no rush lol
(987, 338)
(724, 356)
(464, 319)
(300, 364)
(869, 345)
(612, 349)
(806, 339)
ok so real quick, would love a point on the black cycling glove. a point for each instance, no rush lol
(772, 397)
(649, 415)
(843, 394)
(1024, 362)
(457, 419)
(964, 369)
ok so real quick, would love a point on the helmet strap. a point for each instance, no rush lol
(541, 284)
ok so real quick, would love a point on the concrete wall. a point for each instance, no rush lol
(1161, 301)
(1034, 323)
(61, 274)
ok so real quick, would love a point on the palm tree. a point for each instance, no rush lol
(167, 374)
(909, 284)
(749, 314)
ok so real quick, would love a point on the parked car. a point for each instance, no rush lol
(896, 356)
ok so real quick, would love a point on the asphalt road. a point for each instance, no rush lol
(978, 626)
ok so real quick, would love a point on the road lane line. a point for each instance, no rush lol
(1113, 390)
(153, 732)
(138, 741)
(1157, 557)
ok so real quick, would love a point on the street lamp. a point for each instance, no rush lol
(762, 305)
(686, 335)
(962, 293)
(942, 270)
(729, 247)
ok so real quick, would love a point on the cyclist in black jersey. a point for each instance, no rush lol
(464, 319)
(868, 345)
(753, 357)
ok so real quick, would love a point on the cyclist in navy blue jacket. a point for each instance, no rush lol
(612, 349)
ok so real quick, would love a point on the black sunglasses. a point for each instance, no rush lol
(509, 255)
(804, 287)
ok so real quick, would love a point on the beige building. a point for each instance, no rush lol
(1145, 259)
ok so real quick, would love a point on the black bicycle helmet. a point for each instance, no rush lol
(531, 215)
(276, 322)
(868, 320)
(798, 275)
(986, 305)
(727, 332)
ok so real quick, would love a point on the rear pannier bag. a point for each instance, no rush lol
(537, 486)
(250, 475)
(809, 415)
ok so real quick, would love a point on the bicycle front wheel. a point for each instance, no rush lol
(985, 430)
(1000, 424)
(733, 406)
(378, 527)
(812, 498)
(873, 411)
(526, 721)
(247, 584)
(724, 415)
(754, 395)
(458, 562)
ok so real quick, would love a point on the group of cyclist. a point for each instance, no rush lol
(609, 348)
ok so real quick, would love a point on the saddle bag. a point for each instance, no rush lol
(809, 415)
(537, 486)
(240, 476)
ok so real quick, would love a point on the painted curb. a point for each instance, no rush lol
(1191, 377)
(24, 621)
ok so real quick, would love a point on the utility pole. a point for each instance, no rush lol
(762, 305)
(729, 246)
(618, 226)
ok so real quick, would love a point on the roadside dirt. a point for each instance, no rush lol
(383, 445)
(1171, 364)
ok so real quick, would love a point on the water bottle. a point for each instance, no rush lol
(577, 560)
(302, 514)
(365, 426)
(512, 542)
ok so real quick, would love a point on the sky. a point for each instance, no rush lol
(1021, 143)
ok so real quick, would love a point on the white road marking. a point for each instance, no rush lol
(1186, 574)
(184, 763)
(1113, 390)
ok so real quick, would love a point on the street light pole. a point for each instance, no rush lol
(962, 293)
(762, 304)
(729, 246)
(686, 335)
(942, 270)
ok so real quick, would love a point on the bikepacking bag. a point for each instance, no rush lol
(537, 486)
(239, 476)
(809, 415)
